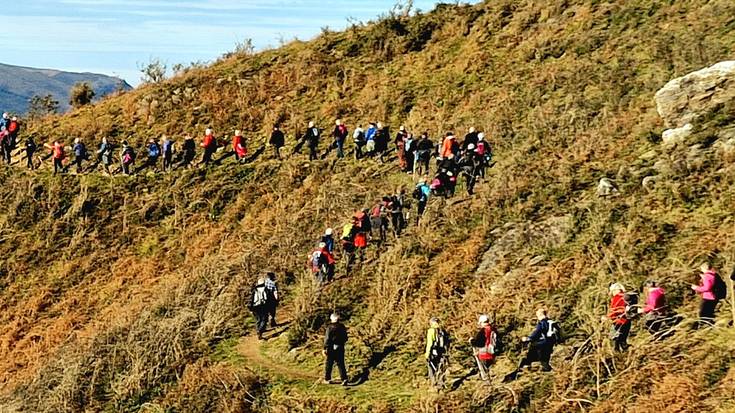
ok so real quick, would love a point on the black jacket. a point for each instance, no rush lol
(311, 136)
(425, 145)
(470, 138)
(277, 139)
(335, 337)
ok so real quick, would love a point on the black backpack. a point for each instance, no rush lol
(441, 343)
(417, 193)
(719, 289)
(631, 305)
(553, 332)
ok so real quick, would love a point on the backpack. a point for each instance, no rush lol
(719, 288)
(153, 151)
(260, 296)
(440, 346)
(347, 232)
(377, 211)
(417, 194)
(490, 343)
(631, 305)
(553, 332)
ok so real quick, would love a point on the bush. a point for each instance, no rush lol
(81, 94)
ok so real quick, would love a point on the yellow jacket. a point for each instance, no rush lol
(430, 338)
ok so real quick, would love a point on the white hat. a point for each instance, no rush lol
(328, 231)
(334, 317)
(238, 133)
(483, 319)
(472, 129)
(402, 128)
(471, 146)
(208, 131)
(338, 122)
(322, 245)
(617, 287)
(15, 118)
(480, 136)
(5, 115)
(77, 140)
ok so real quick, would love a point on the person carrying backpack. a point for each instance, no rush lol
(127, 158)
(167, 149)
(5, 144)
(421, 195)
(484, 345)
(712, 289)
(619, 315)
(259, 303)
(470, 139)
(424, 148)
(238, 146)
(358, 138)
(396, 213)
(372, 130)
(361, 222)
(58, 155)
(272, 288)
(335, 338)
(378, 218)
(469, 166)
(340, 135)
(328, 240)
(437, 349)
(311, 136)
(349, 232)
(30, 150)
(400, 143)
(382, 136)
(483, 151)
(655, 309)
(449, 146)
(322, 264)
(541, 342)
(209, 143)
(154, 152)
(188, 152)
(104, 155)
(277, 141)
(80, 154)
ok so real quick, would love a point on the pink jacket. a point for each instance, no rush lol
(656, 301)
(708, 283)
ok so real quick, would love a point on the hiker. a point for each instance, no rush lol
(259, 306)
(421, 195)
(396, 212)
(424, 147)
(328, 240)
(154, 152)
(30, 150)
(349, 232)
(382, 135)
(188, 152)
(4, 136)
(469, 166)
(11, 140)
(484, 346)
(322, 264)
(541, 341)
(358, 138)
(272, 289)
(409, 150)
(711, 289)
(437, 349)
(470, 139)
(58, 155)
(655, 309)
(400, 143)
(104, 155)
(167, 148)
(340, 135)
(277, 141)
(370, 139)
(5, 120)
(483, 151)
(621, 324)
(209, 143)
(80, 154)
(238, 147)
(311, 136)
(449, 146)
(127, 158)
(335, 339)
(361, 221)
(379, 218)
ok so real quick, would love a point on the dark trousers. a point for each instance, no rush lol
(272, 313)
(277, 152)
(167, 160)
(7, 151)
(707, 313)
(126, 168)
(538, 353)
(29, 159)
(335, 356)
(313, 155)
(58, 166)
(261, 319)
(397, 221)
(421, 209)
(619, 336)
(207, 157)
(340, 148)
(78, 163)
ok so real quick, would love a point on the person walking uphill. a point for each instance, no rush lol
(541, 342)
(127, 158)
(272, 287)
(335, 339)
(238, 147)
(655, 309)
(484, 346)
(621, 324)
(311, 137)
(80, 154)
(209, 143)
(712, 289)
(340, 135)
(167, 147)
(30, 150)
(58, 155)
(258, 304)
(188, 152)
(12, 138)
(437, 347)
(277, 141)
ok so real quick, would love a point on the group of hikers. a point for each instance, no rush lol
(485, 343)
(469, 158)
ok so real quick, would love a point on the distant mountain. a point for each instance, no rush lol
(19, 84)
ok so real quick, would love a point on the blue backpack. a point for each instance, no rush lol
(153, 150)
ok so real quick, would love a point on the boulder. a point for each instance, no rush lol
(649, 182)
(606, 187)
(684, 99)
(671, 137)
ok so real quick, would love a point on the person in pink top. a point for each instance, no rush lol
(709, 299)
(655, 308)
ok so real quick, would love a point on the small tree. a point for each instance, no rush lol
(81, 94)
(40, 106)
(153, 72)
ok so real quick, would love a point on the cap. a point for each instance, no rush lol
(208, 131)
(328, 231)
(617, 287)
(334, 317)
(483, 319)
(471, 146)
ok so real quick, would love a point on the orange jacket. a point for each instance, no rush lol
(446, 148)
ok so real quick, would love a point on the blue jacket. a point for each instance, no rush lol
(539, 333)
(370, 134)
(425, 190)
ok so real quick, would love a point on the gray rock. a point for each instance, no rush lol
(649, 182)
(606, 187)
(671, 137)
(684, 99)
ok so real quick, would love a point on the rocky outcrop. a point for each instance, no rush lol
(683, 100)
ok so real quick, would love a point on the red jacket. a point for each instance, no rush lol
(208, 141)
(238, 147)
(328, 255)
(13, 127)
(617, 309)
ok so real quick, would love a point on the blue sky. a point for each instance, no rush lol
(113, 36)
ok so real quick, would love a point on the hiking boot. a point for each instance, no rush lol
(325, 381)
(344, 383)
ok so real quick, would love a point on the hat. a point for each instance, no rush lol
(322, 245)
(402, 128)
(617, 287)
(483, 319)
(334, 317)
(15, 118)
(480, 136)
(311, 124)
(208, 131)
(328, 231)
(238, 133)
(471, 146)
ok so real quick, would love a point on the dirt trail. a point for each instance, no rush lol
(250, 348)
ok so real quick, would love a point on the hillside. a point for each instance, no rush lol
(127, 294)
(19, 84)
